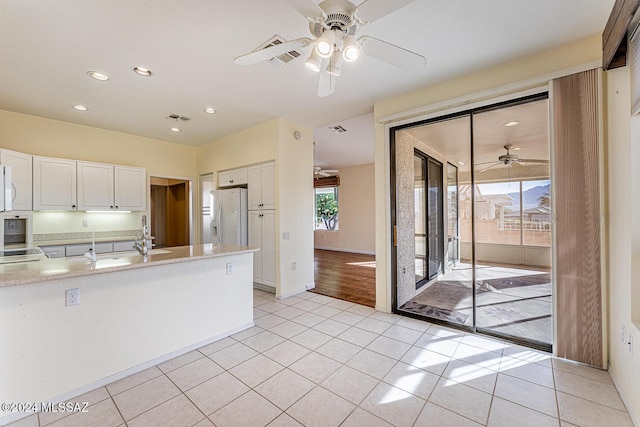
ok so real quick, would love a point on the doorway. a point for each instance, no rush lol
(491, 271)
(170, 212)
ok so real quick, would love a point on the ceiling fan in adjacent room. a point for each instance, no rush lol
(509, 159)
(317, 170)
(334, 26)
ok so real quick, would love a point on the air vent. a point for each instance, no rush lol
(337, 129)
(178, 117)
(281, 60)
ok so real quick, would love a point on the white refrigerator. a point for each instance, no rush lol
(228, 216)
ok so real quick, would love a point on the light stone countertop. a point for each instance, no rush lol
(60, 268)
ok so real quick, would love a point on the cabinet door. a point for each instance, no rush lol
(254, 186)
(255, 240)
(225, 178)
(269, 247)
(239, 176)
(95, 186)
(269, 185)
(54, 184)
(22, 177)
(130, 188)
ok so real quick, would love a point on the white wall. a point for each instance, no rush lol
(356, 196)
(623, 212)
(125, 319)
(295, 206)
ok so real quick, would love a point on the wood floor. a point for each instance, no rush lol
(348, 276)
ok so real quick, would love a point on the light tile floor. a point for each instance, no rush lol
(317, 361)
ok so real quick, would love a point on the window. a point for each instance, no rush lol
(326, 217)
(515, 212)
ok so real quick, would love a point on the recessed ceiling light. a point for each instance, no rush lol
(513, 123)
(80, 107)
(142, 71)
(210, 110)
(98, 76)
(175, 130)
(461, 163)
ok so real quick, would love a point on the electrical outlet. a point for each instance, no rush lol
(229, 268)
(285, 235)
(630, 344)
(294, 265)
(624, 334)
(85, 223)
(72, 297)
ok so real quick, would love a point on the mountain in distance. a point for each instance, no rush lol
(531, 197)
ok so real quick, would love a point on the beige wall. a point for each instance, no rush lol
(509, 73)
(45, 137)
(356, 196)
(52, 138)
(623, 208)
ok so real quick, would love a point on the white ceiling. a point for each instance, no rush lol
(47, 47)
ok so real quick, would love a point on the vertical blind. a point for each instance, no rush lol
(577, 210)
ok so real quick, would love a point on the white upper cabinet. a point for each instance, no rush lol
(108, 187)
(130, 188)
(262, 186)
(95, 186)
(54, 184)
(21, 176)
(232, 178)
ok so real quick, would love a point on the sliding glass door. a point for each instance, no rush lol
(477, 255)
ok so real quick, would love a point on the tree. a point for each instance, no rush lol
(544, 201)
(327, 210)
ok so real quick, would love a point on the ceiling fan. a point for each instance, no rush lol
(509, 159)
(334, 26)
(317, 170)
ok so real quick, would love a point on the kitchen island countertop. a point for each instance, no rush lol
(52, 269)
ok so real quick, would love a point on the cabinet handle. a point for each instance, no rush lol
(117, 207)
(73, 206)
(231, 181)
(111, 207)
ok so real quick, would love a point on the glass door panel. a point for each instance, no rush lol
(512, 219)
(436, 288)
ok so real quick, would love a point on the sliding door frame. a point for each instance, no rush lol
(538, 95)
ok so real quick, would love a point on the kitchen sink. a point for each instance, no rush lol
(118, 255)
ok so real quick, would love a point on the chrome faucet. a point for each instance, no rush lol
(142, 247)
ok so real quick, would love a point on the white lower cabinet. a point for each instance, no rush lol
(262, 234)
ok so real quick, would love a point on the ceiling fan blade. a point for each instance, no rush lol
(270, 52)
(533, 161)
(323, 173)
(330, 170)
(372, 10)
(487, 168)
(306, 8)
(326, 83)
(391, 54)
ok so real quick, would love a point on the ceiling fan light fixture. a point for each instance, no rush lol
(335, 64)
(325, 43)
(512, 123)
(351, 48)
(313, 61)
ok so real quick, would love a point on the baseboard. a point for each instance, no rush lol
(634, 417)
(351, 251)
(66, 397)
(382, 309)
(311, 286)
(263, 287)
